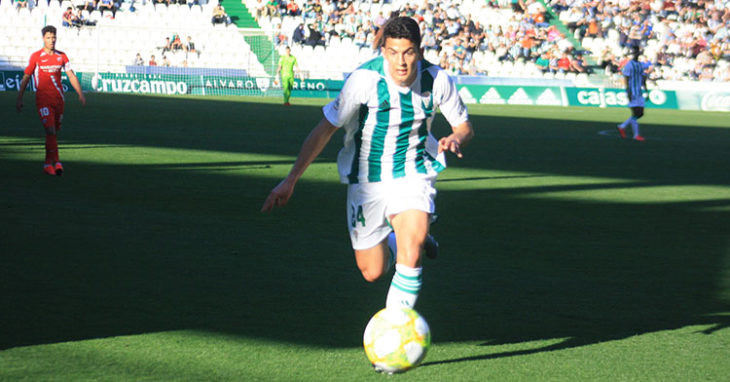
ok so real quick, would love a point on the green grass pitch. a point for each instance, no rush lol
(567, 254)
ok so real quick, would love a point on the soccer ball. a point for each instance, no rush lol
(396, 340)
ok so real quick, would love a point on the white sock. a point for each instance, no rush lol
(405, 287)
(625, 123)
(635, 126)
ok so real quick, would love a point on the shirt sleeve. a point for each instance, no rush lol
(343, 108)
(447, 97)
(65, 63)
(30, 69)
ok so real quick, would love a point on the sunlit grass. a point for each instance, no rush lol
(566, 254)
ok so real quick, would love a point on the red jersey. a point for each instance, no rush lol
(46, 71)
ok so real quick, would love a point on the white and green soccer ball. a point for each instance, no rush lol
(396, 340)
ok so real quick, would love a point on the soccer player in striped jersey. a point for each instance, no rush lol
(635, 81)
(45, 66)
(390, 159)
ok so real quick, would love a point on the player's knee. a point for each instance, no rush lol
(371, 274)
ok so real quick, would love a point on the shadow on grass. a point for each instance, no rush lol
(111, 250)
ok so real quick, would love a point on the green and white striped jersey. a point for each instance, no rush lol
(388, 127)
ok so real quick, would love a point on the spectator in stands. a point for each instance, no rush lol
(152, 61)
(108, 5)
(527, 44)
(429, 40)
(634, 37)
(280, 37)
(543, 62)
(564, 63)
(578, 65)
(83, 20)
(69, 19)
(315, 37)
(298, 34)
(165, 61)
(259, 9)
(379, 20)
(272, 8)
(190, 46)
(138, 61)
(21, 4)
(292, 8)
(220, 16)
(176, 44)
(361, 38)
(89, 5)
(167, 46)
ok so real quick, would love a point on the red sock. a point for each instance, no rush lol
(51, 149)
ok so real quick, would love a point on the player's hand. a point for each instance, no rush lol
(279, 196)
(82, 99)
(19, 105)
(450, 143)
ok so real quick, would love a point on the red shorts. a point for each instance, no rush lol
(51, 114)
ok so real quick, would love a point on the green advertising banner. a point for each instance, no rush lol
(511, 95)
(608, 97)
(178, 84)
(10, 81)
(171, 84)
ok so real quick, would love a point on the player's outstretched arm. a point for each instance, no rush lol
(21, 91)
(462, 134)
(76, 85)
(311, 148)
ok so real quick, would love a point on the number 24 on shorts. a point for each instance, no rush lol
(357, 215)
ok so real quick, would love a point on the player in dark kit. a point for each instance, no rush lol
(635, 81)
(45, 67)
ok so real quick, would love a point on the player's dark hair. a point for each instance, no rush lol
(48, 29)
(635, 52)
(401, 27)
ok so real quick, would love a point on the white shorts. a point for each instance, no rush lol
(371, 205)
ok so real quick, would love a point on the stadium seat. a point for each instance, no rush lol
(587, 42)
(582, 79)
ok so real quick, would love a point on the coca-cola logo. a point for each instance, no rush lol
(716, 101)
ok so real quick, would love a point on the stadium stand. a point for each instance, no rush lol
(681, 40)
(556, 39)
(114, 42)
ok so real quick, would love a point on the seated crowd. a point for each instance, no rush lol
(181, 52)
(681, 39)
(455, 37)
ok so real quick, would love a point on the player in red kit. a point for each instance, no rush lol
(45, 67)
